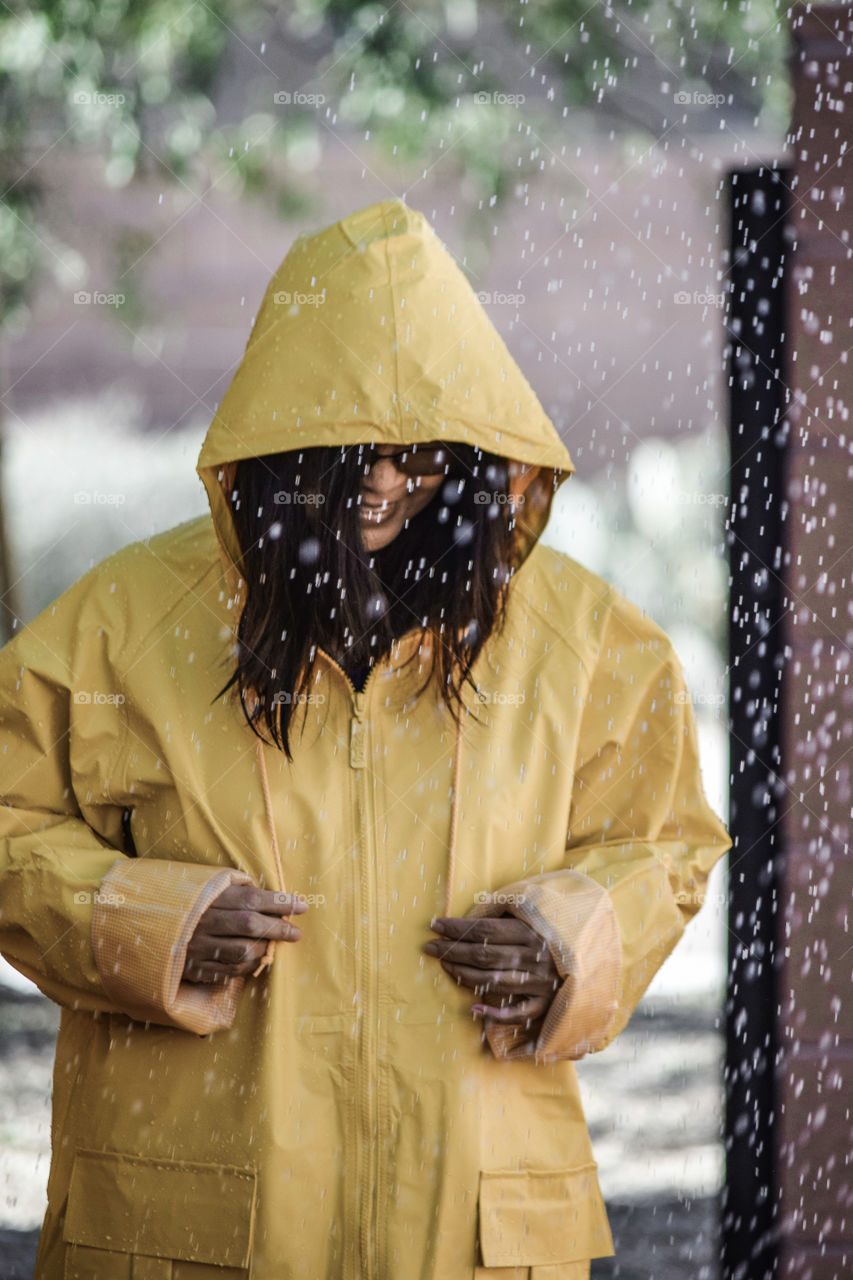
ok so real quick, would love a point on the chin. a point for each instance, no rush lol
(376, 539)
(377, 536)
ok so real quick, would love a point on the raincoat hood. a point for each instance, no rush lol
(369, 331)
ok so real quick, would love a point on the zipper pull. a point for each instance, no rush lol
(358, 736)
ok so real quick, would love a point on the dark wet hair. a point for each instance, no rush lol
(310, 582)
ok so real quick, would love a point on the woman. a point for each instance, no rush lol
(426, 717)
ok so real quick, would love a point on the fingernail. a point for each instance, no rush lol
(437, 925)
(478, 1008)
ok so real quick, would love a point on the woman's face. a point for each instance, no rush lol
(389, 498)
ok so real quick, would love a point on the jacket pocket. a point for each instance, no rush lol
(533, 1217)
(132, 1217)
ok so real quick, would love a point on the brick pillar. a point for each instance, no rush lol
(814, 1074)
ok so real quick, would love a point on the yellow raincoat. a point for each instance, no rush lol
(340, 1116)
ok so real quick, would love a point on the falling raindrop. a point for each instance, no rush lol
(463, 533)
(377, 604)
(309, 551)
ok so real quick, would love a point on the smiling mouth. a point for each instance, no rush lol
(378, 509)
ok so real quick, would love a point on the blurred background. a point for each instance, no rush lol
(157, 164)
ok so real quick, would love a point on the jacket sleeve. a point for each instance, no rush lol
(641, 843)
(93, 928)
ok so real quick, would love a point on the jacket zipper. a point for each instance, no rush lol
(367, 1150)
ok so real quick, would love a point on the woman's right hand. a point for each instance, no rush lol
(232, 935)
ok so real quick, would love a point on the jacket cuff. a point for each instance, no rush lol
(576, 919)
(144, 915)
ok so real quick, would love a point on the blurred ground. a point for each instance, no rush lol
(652, 1098)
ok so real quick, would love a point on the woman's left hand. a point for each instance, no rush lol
(501, 957)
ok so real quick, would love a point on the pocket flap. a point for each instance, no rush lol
(162, 1208)
(533, 1217)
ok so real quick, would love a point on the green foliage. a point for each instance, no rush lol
(137, 85)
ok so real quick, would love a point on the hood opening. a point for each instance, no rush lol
(369, 331)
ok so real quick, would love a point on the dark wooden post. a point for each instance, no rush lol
(788, 1204)
(758, 253)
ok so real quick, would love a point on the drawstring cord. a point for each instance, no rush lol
(266, 959)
